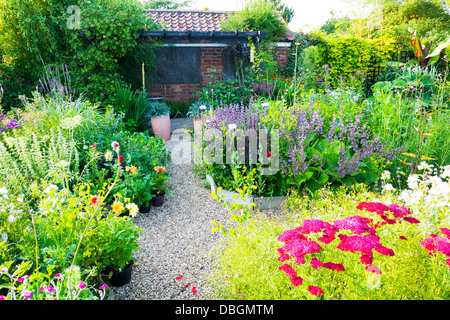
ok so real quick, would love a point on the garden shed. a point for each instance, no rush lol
(194, 48)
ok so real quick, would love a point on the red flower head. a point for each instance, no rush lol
(297, 281)
(94, 201)
(269, 153)
(411, 220)
(288, 270)
(283, 257)
(446, 231)
(334, 266)
(366, 259)
(179, 277)
(315, 291)
(120, 159)
(316, 263)
(194, 290)
(94, 146)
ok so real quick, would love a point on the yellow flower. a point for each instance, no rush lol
(117, 207)
(132, 169)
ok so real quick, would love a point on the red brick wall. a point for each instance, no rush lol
(210, 58)
(282, 56)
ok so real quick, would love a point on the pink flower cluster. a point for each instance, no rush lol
(295, 279)
(365, 245)
(438, 244)
(398, 213)
(364, 239)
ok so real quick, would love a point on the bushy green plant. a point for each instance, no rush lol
(411, 111)
(41, 114)
(257, 15)
(111, 32)
(345, 55)
(157, 109)
(133, 105)
(217, 92)
(198, 108)
(29, 160)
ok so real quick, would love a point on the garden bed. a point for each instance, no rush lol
(254, 203)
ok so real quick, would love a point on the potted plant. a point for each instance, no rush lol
(143, 196)
(197, 111)
(159, 114)
(161, 188)
(118, 241)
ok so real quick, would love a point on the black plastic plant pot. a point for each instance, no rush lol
(158, 200)
(145, 209)
(121, 278)
(125, 214)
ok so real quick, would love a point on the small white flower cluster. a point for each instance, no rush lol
(9, 206)
(348, 95)
(70, 123)
(428, 192)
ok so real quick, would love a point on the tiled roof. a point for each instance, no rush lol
(195, 20)
(188, 20)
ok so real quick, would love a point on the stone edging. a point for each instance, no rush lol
(261, 203)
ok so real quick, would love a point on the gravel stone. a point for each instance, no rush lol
(177, 240)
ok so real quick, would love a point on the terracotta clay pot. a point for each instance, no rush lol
(198, 123)
(161, 126)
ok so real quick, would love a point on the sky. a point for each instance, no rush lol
(308, 14)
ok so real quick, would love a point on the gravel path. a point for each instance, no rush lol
(177, 241)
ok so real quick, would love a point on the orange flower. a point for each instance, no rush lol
(117, 207)
(160, 169)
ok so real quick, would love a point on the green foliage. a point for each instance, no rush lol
(198, 108)
(32, 32)
(217, 92)
(257, 15)
(111, 32)
(178, 109)
(346, 55)
(429, 18)
(114, 242)
(29, 160)
(133, 105)
(395, 113)
(41, 114)
(157, 109)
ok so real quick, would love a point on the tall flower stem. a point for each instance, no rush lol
(95, 212)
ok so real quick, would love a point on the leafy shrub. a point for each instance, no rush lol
(27, 161)
(348, 54)
(112, 29)
(255, 16)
